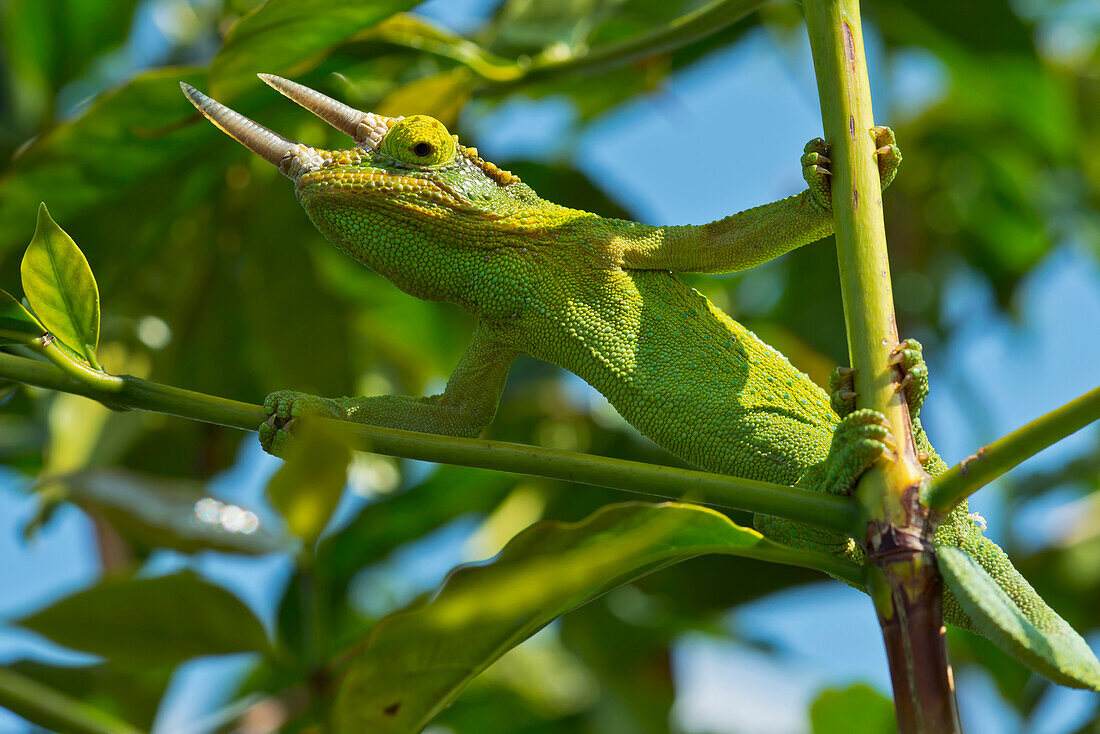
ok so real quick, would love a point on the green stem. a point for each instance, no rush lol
(818, 508)
(71, 365)
(902, 576)
(990, 462)
(696, 25)
(49, 708)
(499, 73)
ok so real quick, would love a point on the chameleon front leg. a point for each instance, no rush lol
(754, 236)
(465, 407)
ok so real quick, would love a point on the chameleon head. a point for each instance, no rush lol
(407, 188)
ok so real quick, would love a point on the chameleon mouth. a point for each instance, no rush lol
(293, 159)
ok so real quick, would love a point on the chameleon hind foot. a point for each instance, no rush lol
(816, 164)
(283, 408)
(842, 390)
(858, 442)
(887, 153)
(908, 357)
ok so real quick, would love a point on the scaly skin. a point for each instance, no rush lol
(599, 298)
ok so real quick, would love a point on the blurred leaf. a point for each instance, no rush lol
(105, 153)
(16, 323)
(130, 695)
(307, 488)
(151, 621)
(1053, 648)
(417, 33)
(442, 96)
(54, 710)
(61, 288)
(280, 33)
(392, 521)
(48, 44)
(414, 663)
(151, 512)
(857, 709)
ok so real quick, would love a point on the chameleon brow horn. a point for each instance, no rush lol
(366, 127)
(291, 158)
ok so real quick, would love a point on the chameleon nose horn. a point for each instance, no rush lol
(366, 127)
(291, 158)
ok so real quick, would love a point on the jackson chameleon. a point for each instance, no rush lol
(600, 298)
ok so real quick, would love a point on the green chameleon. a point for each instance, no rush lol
(600, 298)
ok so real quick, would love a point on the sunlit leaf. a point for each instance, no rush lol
(857, 709)
(414, 663)
(16, 323)
(1048, 644)
(307, 488)
(61, 288)
(151, 621)
(415, 32)
(280, 33)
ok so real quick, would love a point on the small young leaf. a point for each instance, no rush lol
(857, 709)
(1048, 645)
(151, 621)
(61, 288)
(16, 323)
(308, 486)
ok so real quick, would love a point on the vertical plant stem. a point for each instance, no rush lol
(902, 575)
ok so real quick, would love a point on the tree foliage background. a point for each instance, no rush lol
(213, 279)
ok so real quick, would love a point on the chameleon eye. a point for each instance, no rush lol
(419, 140)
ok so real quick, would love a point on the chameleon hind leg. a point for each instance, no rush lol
(858, 441)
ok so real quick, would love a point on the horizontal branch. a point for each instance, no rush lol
(990, 462)
(818, 508)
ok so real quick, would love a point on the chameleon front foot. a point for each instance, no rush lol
(283, 409)
(858, 442)
(817, 171)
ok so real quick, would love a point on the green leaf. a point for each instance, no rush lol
(106, 161)
(152, 512)
(130, 695)
(416, 662)
(857, 709)
(280, 33)
(16, 323)
(61, 288)
(151, 621)
(307, 488)
(1045, 643)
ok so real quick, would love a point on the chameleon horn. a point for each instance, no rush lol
(366, 127)
(291, 158)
